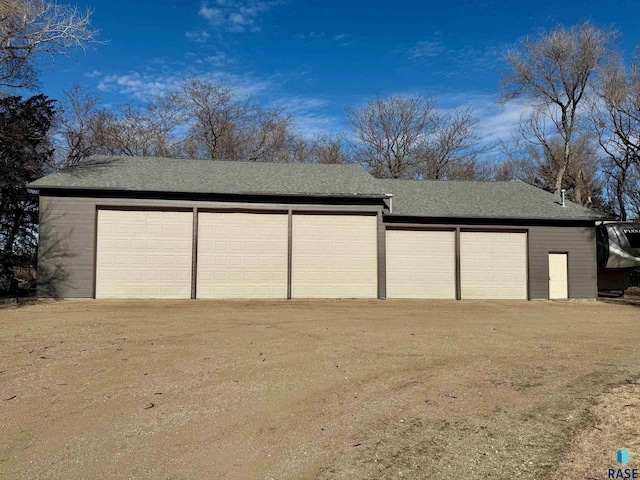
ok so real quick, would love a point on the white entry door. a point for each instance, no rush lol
(558, 276)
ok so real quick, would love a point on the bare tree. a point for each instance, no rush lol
(294, 149)
(407, 137)
(224, 125)
(390, 132)
(215, 111)
(29, 28)
(85, 128)
(454, 148)
(555, 71)
(633, 193)
(329, 149)
(167, 117)
(538, 166)
(615, 121)
(148, 130)
(75, 139)
(262, 135)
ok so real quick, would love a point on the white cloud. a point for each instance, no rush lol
(310, 117)
(343, 39)
(428, 48)
(200, 37)
(213, 15)
(496, 121)
(500, 122)
(236, 15)
(93, 74)
(143, 86)
(447, 57)
(217, 60)
(139, 86)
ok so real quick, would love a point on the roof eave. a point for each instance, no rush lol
(236, 193)
(595, 218)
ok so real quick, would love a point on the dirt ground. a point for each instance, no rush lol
(316, 389)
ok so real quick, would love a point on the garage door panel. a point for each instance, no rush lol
(242, 255)
(138, 258)
(420, 264)
(334, 256)
(493, 265)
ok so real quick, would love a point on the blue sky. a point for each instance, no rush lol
(316, 57)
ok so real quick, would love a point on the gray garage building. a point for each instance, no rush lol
(130, 227)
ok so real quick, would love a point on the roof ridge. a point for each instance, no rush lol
(219, 160)
(430, 180)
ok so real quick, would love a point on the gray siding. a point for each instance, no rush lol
(66, 250)
(66, 247)
(580, 245)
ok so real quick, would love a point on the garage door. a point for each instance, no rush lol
(421, 264)
(493, 265)
(242, 255)
(144, 254)
(334, 256)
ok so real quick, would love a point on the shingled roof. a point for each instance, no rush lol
(147, 174)
(435, 199)
(460, 199)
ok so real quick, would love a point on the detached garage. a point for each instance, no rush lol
(128, 227)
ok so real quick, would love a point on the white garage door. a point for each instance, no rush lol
(421, 264)
(334, 256)
(144, 254)
(242, 255)
(493, 265)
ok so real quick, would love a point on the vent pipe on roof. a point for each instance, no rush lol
(563, 196)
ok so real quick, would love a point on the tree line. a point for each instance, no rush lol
(579, 129)
(396, 137)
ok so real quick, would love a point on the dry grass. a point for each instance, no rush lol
(307, 389)
(614, 424)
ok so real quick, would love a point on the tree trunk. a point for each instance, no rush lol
(620, 184)
(560, 178)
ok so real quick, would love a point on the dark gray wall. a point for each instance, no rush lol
(66, 247)
(580, 245)
(66, 250)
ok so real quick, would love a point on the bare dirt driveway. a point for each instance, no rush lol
(304, 389)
